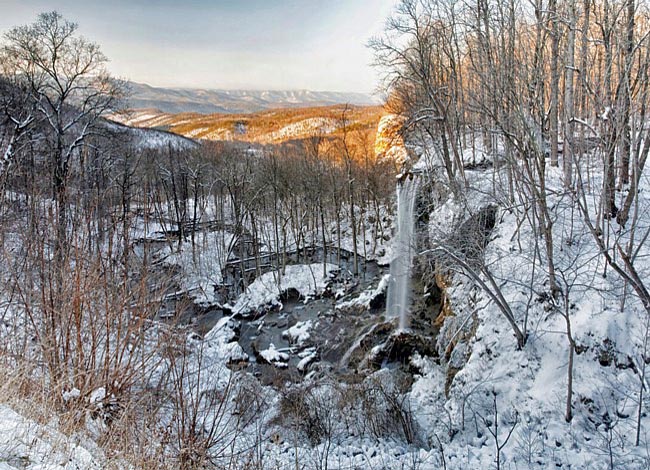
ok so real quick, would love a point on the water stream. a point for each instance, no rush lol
(399, 288)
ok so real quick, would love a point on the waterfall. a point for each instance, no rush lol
(399, 288)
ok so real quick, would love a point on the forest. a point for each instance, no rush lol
(464, 287)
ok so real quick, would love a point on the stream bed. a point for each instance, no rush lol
(330, 334)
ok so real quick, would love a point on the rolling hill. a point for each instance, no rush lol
(264, 127)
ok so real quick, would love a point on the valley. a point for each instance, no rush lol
(210, 101)
(450, 274)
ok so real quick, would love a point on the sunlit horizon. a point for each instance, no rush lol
(227, 45)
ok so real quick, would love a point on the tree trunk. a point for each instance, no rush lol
(568, 149)
(626, 138)
(555, 82)
(609, 181)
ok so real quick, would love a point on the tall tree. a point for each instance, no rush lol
(555, 81)
(569, 118)
(626, 91)
(66, 77)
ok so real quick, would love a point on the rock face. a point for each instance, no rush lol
(357, 356)
(473, 235)
(389, 143)
(400, 346)
(384, 344)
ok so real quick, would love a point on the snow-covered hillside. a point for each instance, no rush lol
(147, 138)
(488, 392)
(484, 397)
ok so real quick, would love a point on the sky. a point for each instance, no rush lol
(229, 44)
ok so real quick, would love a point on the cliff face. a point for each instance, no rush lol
(389, 143)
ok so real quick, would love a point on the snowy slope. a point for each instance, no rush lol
(26, 444)
(486, 396)
(525, 390)
(308, 280)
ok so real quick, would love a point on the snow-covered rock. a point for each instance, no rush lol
(307, 280)
(298, 334)
(275, 357)
(365, 299)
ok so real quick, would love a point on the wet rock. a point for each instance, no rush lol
(378, 302)
(399, 347)
(357, 354)
(290, 295)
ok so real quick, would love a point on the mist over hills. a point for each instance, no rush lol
(182, 100)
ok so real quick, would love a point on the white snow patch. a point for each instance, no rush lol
(220, 343)
(298, 334)
(275, 357)
(38, 446)
(71, 394)
(308, 280)
(367, 296)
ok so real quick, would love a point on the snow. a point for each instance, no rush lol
(154, 139)
(533, 381)
(97, 396)
(29, 445)
(71, 394)
(275, 357)
(308, 280)
(220, 343)
(298, 334)
(145, 138)
(528, 385)
(306, 358)
(374, 243)
(366, 297)
(309, 126)
(201, 263)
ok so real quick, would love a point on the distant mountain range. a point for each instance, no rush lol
(182, 100)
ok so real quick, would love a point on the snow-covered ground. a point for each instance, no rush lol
(525, 390)
(307, 280)
(310, 126)
(201, 263)
(481, 397)
(367, 296)
(26, 444)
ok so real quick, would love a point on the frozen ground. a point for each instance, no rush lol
(26, 444)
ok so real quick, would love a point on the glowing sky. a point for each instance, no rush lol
(232, 44)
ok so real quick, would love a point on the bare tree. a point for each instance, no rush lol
(424, 74)
(555, 81)
(66, 77)
(17, 115)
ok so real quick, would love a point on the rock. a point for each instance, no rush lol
(379, 301)
(400, 346)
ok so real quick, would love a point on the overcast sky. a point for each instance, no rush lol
(233, 44)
